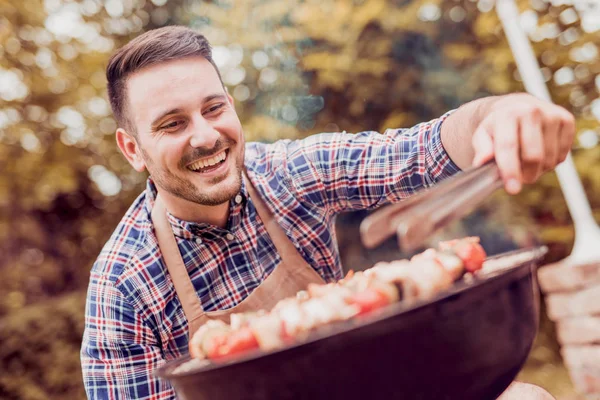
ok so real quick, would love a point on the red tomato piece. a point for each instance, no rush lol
(241, 341)
(368, 300)
(472, 255)
(236, 342)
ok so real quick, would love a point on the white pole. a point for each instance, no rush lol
(587, 234)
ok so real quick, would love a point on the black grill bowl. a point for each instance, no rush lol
(467, 343)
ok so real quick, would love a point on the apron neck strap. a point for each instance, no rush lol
(172, 257)
(287, 251)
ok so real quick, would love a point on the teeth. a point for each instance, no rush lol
(208, 162)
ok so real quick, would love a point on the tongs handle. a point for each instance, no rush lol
(415, 219)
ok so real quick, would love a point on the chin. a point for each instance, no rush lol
(223, 191)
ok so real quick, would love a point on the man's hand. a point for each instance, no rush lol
(525, 135)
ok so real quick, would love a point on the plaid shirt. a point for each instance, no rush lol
(134, 320)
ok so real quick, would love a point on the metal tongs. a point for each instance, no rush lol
(415, 219)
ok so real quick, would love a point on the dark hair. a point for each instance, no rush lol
(153, 47)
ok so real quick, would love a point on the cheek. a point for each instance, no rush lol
(169, 155)
(232, 127)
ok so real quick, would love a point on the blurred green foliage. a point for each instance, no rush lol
(40, 350)
(295, 68)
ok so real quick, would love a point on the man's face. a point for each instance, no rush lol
(188, 133)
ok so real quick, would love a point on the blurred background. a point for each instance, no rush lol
(294, 67)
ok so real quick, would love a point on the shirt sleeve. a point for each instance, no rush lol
(346, 172)
(119, 352)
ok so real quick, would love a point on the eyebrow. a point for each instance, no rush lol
(156, 122)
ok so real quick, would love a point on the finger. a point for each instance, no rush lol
(566, 134)
(506, 145)
(552, 129)
(483, 146)
(531, 146)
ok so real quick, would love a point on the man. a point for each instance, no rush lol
(220, 244)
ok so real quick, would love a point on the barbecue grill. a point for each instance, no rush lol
(468, 342)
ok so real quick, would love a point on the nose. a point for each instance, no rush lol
(203, 134)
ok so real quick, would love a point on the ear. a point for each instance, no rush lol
(130, 149)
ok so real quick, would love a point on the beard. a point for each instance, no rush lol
(221, 189)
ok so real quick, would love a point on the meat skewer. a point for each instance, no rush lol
(292, 319)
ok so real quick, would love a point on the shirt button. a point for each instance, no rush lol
(198, 240)
(230, 237)
(238, 198)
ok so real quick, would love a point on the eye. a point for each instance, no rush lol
(215, 108)
(172, 126)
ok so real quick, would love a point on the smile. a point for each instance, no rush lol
(209, 164)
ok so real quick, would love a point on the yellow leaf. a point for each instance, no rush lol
(459, 51)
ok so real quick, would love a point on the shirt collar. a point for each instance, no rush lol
(194, 230)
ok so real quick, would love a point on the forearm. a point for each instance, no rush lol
(345, 172)
(457, 131)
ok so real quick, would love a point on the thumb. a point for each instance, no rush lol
(483, 147)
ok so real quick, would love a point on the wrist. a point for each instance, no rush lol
(438, 161)
(482, 108)
(457, 131)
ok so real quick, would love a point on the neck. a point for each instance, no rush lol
(194, 212)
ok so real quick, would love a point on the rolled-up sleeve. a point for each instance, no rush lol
(439, 165)
(344, 172)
